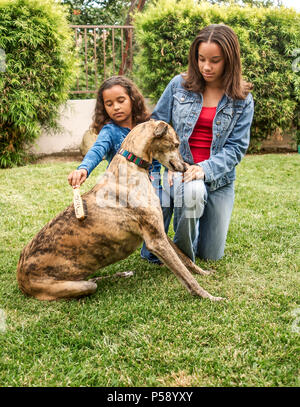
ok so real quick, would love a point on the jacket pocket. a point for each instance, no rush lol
(182, 105)
(229, 118)
(227, 115)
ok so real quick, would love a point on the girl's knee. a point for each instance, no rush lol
(210, 254)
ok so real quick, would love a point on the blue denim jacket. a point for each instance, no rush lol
(231, 129)
(109, 141)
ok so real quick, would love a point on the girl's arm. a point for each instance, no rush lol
(234, 148)
(95, 155)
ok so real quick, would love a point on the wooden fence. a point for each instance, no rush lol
(103, 51)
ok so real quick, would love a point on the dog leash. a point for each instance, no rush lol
(134, 159)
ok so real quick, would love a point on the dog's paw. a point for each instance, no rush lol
(204, 272)
(119, 274)
(209, 272)
(125, 274)
(217, 298)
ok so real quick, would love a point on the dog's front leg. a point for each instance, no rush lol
(165, 252)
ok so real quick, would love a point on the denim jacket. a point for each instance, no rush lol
(231, 129)
(109, 141)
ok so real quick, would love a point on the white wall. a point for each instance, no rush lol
(75, 119)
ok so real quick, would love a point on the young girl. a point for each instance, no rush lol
(211, 110)
(119, 107)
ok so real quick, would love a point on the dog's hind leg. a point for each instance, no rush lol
(124, 274)
(189, 264)
(50, 289)
(165, 252)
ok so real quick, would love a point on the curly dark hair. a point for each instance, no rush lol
(140, 112)
(226, 38)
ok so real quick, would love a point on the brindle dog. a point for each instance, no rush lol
(122, 210)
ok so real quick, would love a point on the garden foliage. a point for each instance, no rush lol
(104, 12)
(269, 40)
(37, 72)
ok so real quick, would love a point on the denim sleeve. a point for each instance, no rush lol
(101, 147)
(234, 148)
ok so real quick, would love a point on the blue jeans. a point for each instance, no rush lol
(167, 209)
(201, 217)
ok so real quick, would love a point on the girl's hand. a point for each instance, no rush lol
(77, 177)
(170, 178)
(193, 172)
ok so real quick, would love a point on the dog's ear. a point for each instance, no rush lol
(160, 129)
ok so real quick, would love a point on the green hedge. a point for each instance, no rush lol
(269, 37)
(37, 71)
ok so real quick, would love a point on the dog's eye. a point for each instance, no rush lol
(176, 145)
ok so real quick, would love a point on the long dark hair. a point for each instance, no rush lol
(225, 37)
(140, 112)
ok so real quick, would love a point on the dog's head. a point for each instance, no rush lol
(165, 146)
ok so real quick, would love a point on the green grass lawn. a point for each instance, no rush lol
(147, 330)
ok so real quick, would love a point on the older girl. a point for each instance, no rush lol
(211, 110)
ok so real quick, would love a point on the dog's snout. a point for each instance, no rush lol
(177, 165)
(185, 167)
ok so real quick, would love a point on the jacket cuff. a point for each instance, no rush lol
(207, 171)
(83, 167)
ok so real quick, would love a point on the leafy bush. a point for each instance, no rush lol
(37, 73)
(268, 39)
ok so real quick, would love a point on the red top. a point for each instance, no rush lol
(201, 138)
